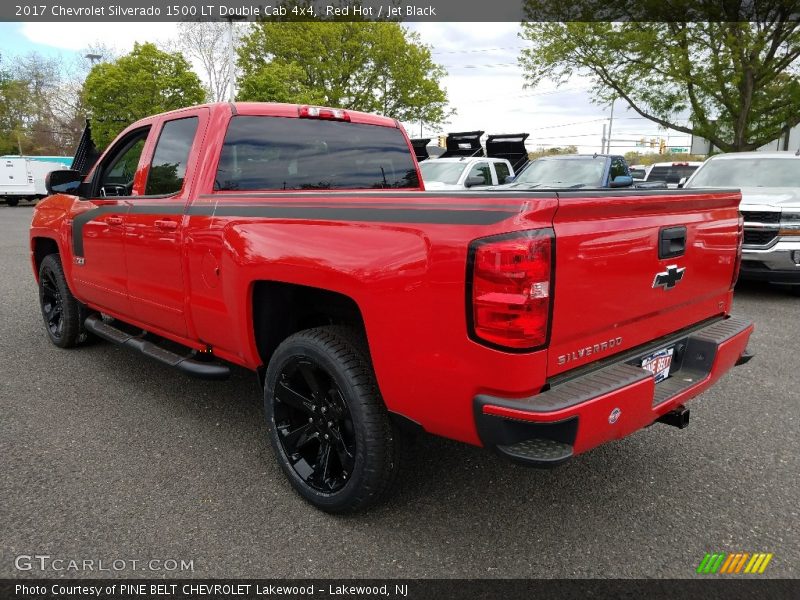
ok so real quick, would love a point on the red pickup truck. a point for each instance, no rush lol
(298, 242)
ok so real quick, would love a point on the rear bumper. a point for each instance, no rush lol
(608, 403)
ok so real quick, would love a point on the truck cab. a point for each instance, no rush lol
(574, 171)
(464, 172)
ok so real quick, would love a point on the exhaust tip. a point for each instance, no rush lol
(677, 417)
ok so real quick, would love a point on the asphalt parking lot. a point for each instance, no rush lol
(105, 454)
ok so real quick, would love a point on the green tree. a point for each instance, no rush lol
(373, 67)
(738, 81)
(555, 150)
(145, 82)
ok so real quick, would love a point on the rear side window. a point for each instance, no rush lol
(168, 169)
(502, 172)
(277, 153)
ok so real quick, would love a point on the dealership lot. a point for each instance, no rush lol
(106, 455)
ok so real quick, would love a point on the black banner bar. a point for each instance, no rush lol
(705, 588)
(398, 10)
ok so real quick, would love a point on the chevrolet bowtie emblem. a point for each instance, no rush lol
(669, 279)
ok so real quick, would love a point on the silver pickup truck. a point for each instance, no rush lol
(770, 184)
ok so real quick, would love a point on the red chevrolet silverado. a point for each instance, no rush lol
(298, 242)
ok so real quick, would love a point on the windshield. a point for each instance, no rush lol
(443, 172)
(570, 172)
(749, 172)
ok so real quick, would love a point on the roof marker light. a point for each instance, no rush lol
(319, 112)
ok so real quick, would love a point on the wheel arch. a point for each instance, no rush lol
(41, 246)
(280, 309)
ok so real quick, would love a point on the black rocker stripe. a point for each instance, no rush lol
(470, 196)
(439, 216)
(445, 214)
(79, 221)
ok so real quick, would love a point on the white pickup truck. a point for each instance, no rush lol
(458, 173)
(770, 185)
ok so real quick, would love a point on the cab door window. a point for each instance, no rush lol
(483, 171)
(119, 169)
(617, 169)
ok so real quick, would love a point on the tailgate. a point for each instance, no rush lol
(613, 290)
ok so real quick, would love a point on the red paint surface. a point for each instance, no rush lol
(193, 284)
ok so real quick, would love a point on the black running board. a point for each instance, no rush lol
(187, 364)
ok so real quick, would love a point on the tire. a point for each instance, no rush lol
(12, 201)
(63, 315)
(314, 374)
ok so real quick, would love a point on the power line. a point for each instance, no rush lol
(533, 95)
(478, 50)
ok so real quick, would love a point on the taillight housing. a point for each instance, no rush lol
(321, 112)
(510, 290)
(737, 264)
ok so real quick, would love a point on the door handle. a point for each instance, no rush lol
(114, 220)
(166, 224)
(671, 242)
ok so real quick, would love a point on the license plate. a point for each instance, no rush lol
(659, 363)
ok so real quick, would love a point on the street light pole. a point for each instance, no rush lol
(610, 124)
(231, 57)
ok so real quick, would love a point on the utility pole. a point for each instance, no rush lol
(603, 140)
(231, 57)
(610, 124)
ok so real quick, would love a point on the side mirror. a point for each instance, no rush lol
(65, 181)
(682, 182)
(473, 181)
(509, 179)
(673, 178)
(621, 181)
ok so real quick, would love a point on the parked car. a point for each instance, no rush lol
(574, 171)
(22, 177)
(465, 172)
(671, 173)
(297, 242)
(770, 185)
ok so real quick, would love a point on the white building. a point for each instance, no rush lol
(790, 140)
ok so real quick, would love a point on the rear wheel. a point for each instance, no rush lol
(327, 423)
(12, 201)
(63, 314)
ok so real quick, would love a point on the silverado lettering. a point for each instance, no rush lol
(299, 242)
(589, 350)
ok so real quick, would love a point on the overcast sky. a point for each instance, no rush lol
(484, 81)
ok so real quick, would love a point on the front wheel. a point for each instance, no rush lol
(63, 314)
(12, 201)
(327, 423)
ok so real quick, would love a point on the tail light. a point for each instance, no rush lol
(319, 112)
(509, 289)
(737, 265)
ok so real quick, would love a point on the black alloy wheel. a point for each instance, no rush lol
(52, 305)
(327, 423)
(63, 315)
(314, 425)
